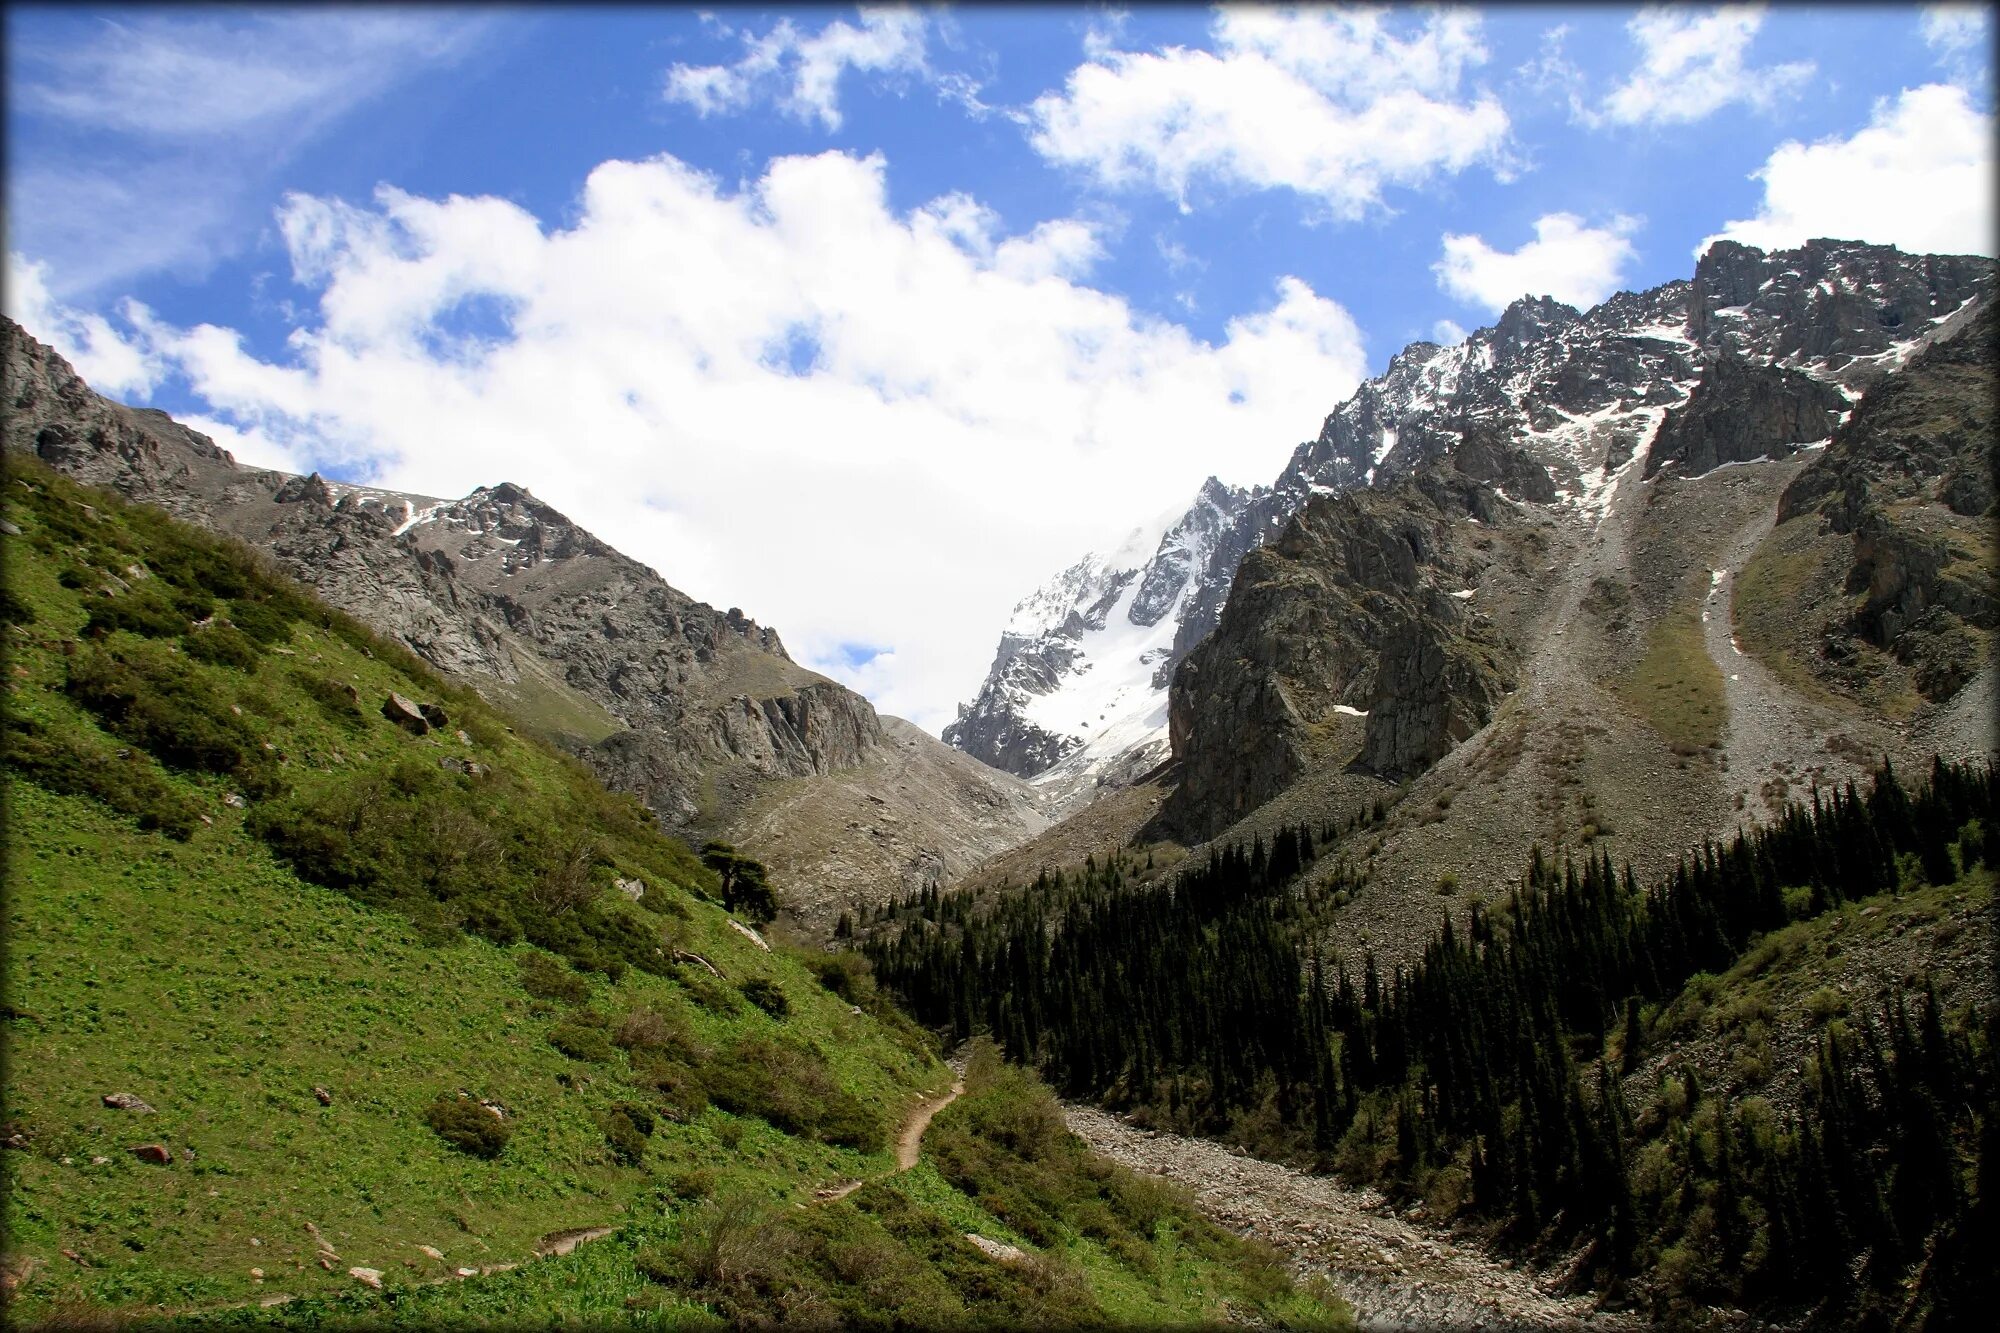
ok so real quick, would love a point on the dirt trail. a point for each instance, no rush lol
(1397, 1274)
(909, 1142)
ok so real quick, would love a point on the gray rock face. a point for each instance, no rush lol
(1741, 412)
(1346, 614)
(1837, 303)
(1908, 482)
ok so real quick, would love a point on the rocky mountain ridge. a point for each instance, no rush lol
(693, 709)
(1544, 409)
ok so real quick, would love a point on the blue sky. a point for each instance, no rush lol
(869, 321)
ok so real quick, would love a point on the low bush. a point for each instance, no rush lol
(150, 698)
(626, 1128)
(766, 995)
(223, 645)
(467, 1126)
(547, 977)
(126, 782)
(580, 1036)
(793, 1090)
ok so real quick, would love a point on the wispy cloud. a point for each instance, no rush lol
(1961, 37)
(161, 129)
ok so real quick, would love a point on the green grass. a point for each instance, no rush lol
(1675, 686)
(305, 899)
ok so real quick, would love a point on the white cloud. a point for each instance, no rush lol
(1962, 37)
(1575, 264)
(111, 363)
(970, 412)
(1334, 105)
(802, 73)
(1918, 176)
(1447, 333)
(177, 78)
(1692, 65)
(173, 119)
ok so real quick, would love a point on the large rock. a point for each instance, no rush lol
(1740, 412)
(1348, 611)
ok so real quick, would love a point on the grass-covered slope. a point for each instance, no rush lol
(314, 941)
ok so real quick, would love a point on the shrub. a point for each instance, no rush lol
(653, 1029)
(467, 1126)
(626, 1128)
(14, 611)
(341, 703)
(548, 978)
(127, 783)
(846, 974)
(267, 620)
(682, 1096)
(766, 995)
(582, 1039)
(793, 1090)
(223, 646)
(148, 613)
(148, 699)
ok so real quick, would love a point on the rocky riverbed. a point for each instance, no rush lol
(1397, 1273)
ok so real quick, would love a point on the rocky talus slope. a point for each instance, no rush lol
(696, 711)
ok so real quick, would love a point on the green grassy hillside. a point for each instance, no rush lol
(314, 941)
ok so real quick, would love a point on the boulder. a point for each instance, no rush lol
(434, 715)
(635, 889)
(325, 1097)
(405, 714)
(125, 1101)
(367, 1277)
(998, 1250)
(156, 1153)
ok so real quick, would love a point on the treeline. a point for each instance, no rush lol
(1210, 1005)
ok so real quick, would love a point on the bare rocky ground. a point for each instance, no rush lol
(911, 814)
(1397, 1272)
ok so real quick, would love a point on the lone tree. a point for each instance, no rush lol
(746, 887)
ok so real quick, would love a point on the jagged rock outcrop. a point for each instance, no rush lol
(1740, 412)
(1348, 613)
(1907, 482)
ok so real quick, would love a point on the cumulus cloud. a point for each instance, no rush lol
(1576, 264)
(801, 72)
(1335, 105)
(1918, 176)
(864, 426)
(1693, 64)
